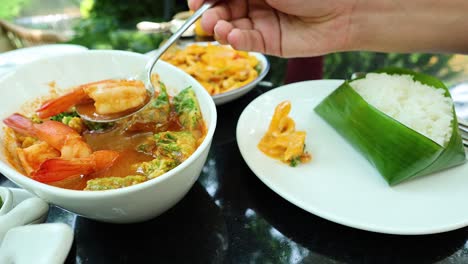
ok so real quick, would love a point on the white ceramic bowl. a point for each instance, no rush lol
(232, 95)
(131, 204)
(11, 59)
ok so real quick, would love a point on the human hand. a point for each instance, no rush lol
(305, 28)
(293, 28)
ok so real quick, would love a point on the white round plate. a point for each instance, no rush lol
(459, 95)
(339, 184)
(232, 95)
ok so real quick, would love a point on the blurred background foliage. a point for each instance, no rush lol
(10, 9)
(111, 24)
(342, 65)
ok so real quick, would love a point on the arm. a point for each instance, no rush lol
(410, 26)
(302, 28)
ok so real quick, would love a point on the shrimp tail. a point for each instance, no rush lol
(57, 169)
(20, 124)
(62, 103)
(103, 159)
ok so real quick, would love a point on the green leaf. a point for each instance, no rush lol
(396, 151)
(187, 107)
(110, 183)
(64, 117)
(96, 126)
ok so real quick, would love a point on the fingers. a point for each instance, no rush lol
(223, 28)
(246, 39)
(230, 25)
(240, 34)
(194, 4)
(225, 10)
(213, 15)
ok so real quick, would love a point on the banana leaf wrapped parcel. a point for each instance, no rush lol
(402, 122)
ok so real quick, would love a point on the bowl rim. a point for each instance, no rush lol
(7, 169)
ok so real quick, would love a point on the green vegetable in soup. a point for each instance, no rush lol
(73, 120)
(157, 111)
(176, 145)
(95, 126)
(162, 101)
(36, 119)
(64, 117)
(148, 147)
(157, 167)
(187, 107)
(1, 202)
(109, 183)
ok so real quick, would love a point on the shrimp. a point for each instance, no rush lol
(109, 96)
(57, 169)
(73, 156)
(33, 156)
(58, 135)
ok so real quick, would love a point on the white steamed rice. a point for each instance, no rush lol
(417, 106)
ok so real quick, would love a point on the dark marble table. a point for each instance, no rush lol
(230, 216)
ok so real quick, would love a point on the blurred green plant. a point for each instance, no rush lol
(10, 9)
(111, 24)
(104, 33)
(126, 13)
(343, 65)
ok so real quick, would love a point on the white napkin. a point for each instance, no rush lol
(24, 213)
(7, 200)
(38, 244)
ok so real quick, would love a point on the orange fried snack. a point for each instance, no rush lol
(282, 141)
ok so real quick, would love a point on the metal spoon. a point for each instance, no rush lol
(149, 69)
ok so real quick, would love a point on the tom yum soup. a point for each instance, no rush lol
(52, 144)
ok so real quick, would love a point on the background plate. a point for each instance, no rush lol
(234, 94)
(339, 184)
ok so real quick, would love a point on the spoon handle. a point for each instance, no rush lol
(149, 66)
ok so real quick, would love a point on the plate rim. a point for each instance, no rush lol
(313, 209)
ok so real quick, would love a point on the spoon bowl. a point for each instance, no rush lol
(86, 111)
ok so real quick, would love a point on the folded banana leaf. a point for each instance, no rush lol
(396, 151)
